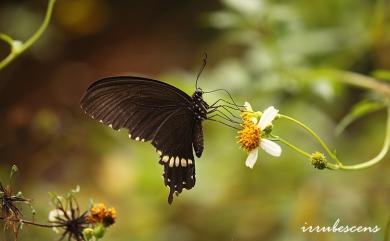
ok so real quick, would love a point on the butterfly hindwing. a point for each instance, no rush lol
(179, 162)
(151, 111)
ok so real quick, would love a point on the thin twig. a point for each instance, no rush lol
(34, 224)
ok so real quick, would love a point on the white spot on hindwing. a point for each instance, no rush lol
(137, 138)
(177, 161)
(183, 162)
(165, 159)
(171, 162)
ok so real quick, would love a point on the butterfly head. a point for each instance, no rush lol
(198, 93)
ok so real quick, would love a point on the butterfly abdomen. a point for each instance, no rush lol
(200, 110)
(197, 140)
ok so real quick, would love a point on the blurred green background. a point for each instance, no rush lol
(262, 51)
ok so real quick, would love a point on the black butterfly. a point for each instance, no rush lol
(154, 111)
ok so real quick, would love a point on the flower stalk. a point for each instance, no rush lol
(338, 165)
(381, 154)
(314, 134)
(254, 132)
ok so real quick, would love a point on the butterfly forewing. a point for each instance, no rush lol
(152, 111)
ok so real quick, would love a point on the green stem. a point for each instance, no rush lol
(363, 81)
(339, 165)
(6, 38)
(332, 166)
(297, 149)
(10, 57)
(381, 154)
(323, 144)
(359, 80)
(18, 50)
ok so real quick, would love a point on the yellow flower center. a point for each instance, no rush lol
(250, 134)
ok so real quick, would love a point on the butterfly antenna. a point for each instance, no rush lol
(201, 69)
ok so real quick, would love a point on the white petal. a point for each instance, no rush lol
(248, 106)
(267, 117)
(271, 147)
(54, 214)
(252, 158)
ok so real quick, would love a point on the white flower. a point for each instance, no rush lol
(256, 140)
(56, 214)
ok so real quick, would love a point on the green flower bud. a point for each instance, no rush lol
(88, 234)
(318, 160)
(99, 231)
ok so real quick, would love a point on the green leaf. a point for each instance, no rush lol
(381, 74)
(359, 110)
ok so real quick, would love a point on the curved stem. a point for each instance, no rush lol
(16, 50)
(6, 38)
(339, 165)
(10, 57)
(323, 144)
(41, 29)
(381, 154)
(330, 166)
